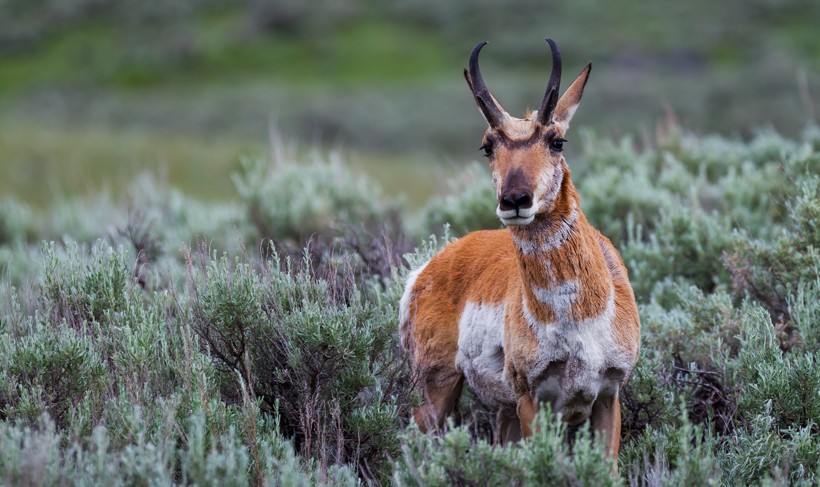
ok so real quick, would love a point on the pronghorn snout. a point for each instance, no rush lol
(515, 207)
(516, 193)
(515, 200)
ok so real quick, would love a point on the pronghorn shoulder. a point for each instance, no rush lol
(468, 265)
(473, 249)
(611, 256)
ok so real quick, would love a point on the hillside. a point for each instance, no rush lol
(92, 91)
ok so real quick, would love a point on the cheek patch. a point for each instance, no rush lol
(549, 187)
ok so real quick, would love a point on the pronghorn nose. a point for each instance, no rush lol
(515, 201)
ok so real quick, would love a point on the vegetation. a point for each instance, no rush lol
(93, 91)
(155, 338)
(225, 319)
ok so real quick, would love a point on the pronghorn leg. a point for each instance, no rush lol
(527, 407)
(440, 398)
(508, 427)
(606, 421)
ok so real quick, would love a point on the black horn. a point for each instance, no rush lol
(553, 87)
(486, 103)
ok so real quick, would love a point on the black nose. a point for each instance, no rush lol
(515, 201)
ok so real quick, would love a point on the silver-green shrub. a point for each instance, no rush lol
(292, 200)
(771, 270)
(458, 458)
(163, 340)
(468, 204)
(314, 351)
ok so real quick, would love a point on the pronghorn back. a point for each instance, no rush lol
(541, 312)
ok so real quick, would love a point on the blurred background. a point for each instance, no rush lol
(94, 92)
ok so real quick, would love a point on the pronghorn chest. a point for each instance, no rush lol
(573, 357)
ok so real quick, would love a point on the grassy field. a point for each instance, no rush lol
(156, 338)
(74, 161)
(91, 92)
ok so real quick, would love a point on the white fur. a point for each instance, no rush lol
(553, 241)
(587, 347)
(480, 354)
(564, 122)
(528, 247)
(559, 298)
(523, 216)
(550, 187)
(404, 307)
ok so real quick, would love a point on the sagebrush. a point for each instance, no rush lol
(164, 340)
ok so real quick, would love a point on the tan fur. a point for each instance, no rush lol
(549, 279)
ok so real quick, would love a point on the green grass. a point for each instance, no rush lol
(223, 46)
(41, 163)
(380, 80)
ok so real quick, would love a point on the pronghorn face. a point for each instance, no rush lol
(525, 154)
(527, 167)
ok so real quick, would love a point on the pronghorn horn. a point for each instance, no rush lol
(486, 103)
(553, 86)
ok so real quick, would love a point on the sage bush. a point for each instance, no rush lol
(157, 339)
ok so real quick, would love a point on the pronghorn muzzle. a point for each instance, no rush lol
(515, 200)
(515, 193)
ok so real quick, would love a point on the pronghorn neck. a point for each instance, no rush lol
(559, 269)
(550, 231)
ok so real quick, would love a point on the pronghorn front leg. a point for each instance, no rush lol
(441, 395)
(509, 428)
(527, 408)
(606, 421)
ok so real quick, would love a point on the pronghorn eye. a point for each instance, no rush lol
(557, 145)
(488, 149)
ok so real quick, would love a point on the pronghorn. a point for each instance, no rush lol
(541, 311)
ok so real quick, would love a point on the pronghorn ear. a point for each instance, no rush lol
(569, 102)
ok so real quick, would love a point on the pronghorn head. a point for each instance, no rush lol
(525, 153)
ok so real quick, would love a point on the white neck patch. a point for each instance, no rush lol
(560, 298)
(557, 238)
